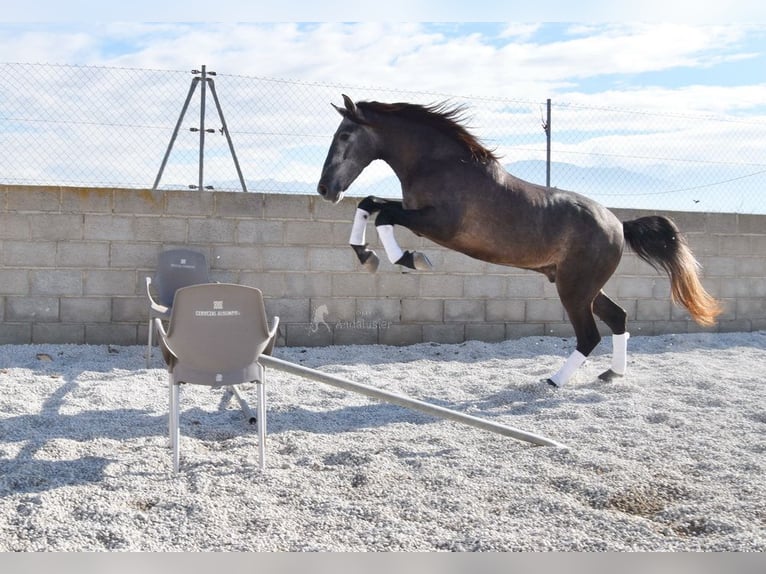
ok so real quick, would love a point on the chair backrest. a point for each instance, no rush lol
(178, 268)
(218, 328)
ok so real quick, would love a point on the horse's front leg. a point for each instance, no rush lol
(394, 214)
(367, 257)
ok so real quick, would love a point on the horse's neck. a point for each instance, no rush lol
(411, 155)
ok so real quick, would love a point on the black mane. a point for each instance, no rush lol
(443, 117)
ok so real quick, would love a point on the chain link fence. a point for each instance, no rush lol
(112, 127)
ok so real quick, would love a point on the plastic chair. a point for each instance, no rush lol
(216, 333)
(176, 268)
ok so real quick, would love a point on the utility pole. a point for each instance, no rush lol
(204, 80)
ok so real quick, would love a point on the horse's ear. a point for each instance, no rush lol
(350, 111)
(350, 105)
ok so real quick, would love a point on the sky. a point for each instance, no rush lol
(666, 57)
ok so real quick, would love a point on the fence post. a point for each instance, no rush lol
(548, 144)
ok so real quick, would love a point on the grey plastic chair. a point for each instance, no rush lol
(176, 268)
(216, 333)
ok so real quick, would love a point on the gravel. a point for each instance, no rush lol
(668, 458)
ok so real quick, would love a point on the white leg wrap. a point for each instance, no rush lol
(570, 366)
(620, 353)
(386, 234)
(359, 227)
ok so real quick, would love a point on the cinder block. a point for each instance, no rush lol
(258, 232)
(752, 267)
(15, 226)
(422, 310)
(504, 310)
(751, 224)
(193, 202)
(544, 310)
(238, 205)
(720, 222)
(86, 310)
(303, 335)
(444, 333)
(379, 310)
(32, 309)
(293, 310)
(111, 333)
(484, 286)
(634, 287)
(15, 333)
(33, 199)
(58, 334)
(353, 284)
(331, 311)
(133, 201)
(57, 283)
(212, 230)
(56, 226)
(521, 330)
(25, 254)
(754, 308)
(129, 309)
(528, 286)
(110, 282)
(487, 332)
(237, 257)
(734, 245)
(15, 282)
(441, 285)
(351, 335)
(309, 233)
(398, 284)
(270, 284)
(108, 228)
(288, 207)
(463, 311)
(330, 259)
(284, 258)
(401, 335)
(130, 255)
(161, 229)
(83, 254)
(653, 310)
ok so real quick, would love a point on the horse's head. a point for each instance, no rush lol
(353, 147)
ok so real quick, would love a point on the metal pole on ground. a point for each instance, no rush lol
(407, 402)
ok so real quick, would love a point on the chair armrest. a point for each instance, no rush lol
(272, 337)
(156, 308)
(168, 354)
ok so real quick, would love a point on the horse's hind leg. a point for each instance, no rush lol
(616, 319)
(577, 294)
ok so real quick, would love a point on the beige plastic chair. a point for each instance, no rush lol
(176, 268)
(216, 333)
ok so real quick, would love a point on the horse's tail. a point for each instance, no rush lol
(657, 240)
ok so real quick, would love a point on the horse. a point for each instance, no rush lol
(456, 193)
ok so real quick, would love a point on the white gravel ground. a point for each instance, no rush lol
(669, 458)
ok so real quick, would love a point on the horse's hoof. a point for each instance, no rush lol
(609, 375)
(551, 383)
(372, 262)
(421, 261)
(367, 257)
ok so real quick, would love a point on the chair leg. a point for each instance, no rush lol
(149, 345)
(174, 425)
(261, 390)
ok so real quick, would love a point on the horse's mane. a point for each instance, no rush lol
(443, 117)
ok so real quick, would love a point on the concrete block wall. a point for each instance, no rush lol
(73, 262)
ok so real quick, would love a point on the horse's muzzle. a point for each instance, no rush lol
(328, 195)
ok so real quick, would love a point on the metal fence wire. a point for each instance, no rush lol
(112, 127)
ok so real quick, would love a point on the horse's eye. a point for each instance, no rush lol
(344, 136)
